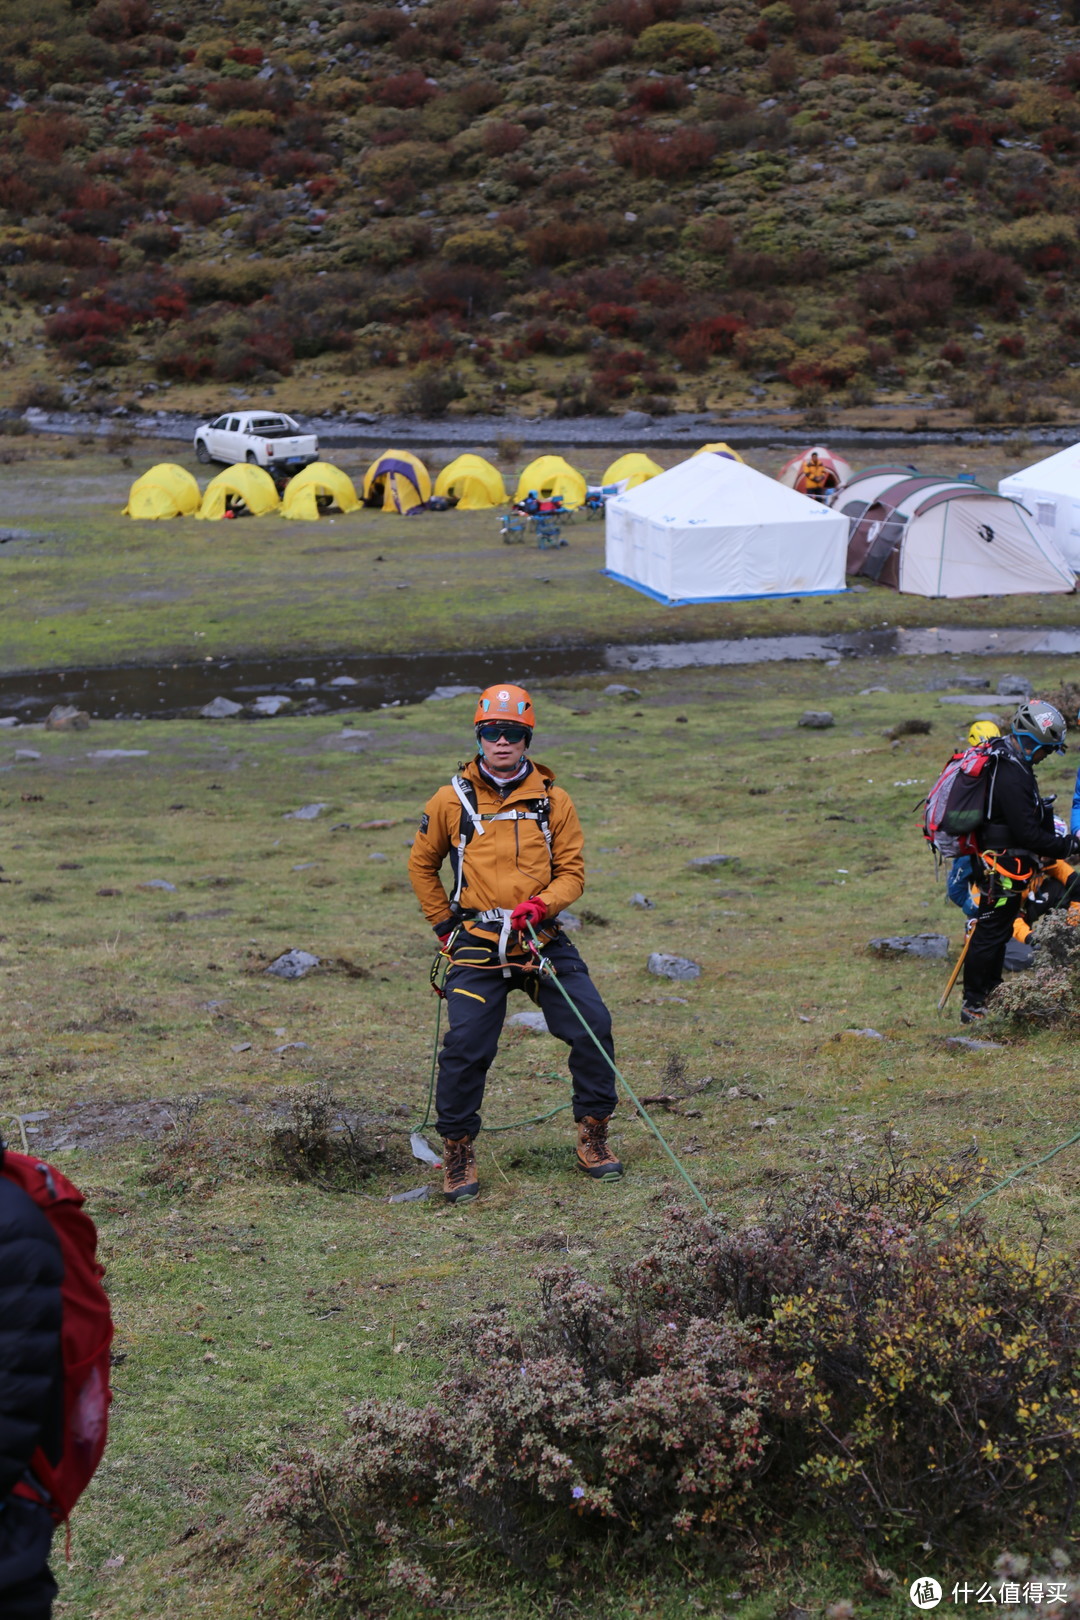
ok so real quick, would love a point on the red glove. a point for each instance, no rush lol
(530, 911)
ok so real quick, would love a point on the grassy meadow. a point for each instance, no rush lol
(85, 586)
(250, 1307)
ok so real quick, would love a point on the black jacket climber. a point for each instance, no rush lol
(1016, 816)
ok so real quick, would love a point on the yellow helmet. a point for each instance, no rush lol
(982, 731)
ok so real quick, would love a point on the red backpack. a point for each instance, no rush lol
(955, 807)
(86, 1334)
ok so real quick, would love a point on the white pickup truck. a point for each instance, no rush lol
(265, 438)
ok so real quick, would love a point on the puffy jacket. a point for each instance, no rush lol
(510, 862)
(31, 1370)
(1016, 817)
(1074, 823)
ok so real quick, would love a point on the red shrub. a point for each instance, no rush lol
(618, 320)
(501, 138)
(89, 332)
(249, 55)
(46, 137)
(1069, 71)
(478, 96)
(965, 130)
(201, 207)
(953, 352)
(17, 194)
(929, 54)
(1011, 344)
(1058, 138)
(77, 251)
(632, 16)
(565, 239)
(403, 90)
(116, 20)
(747, 269)
(603, 53)
(717, 335)
(237, 95)
(289, 166)
(757, 39)
(427, 343)
(568, 182)
(241, 148)
(663, 157)
(659, 95)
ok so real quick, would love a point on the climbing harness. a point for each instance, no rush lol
(545, 968)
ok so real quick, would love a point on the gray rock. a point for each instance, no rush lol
(377, 855)
(118, 753)
(305, 681)
(871, 691)
(441, 693)
(702, 863)
(292, 1046)
(221, 708)
(27, 754)
(158, 883)
(968, 1045)
(618, 690)
(9, 720)
(241, 1046)
(636, 419)
(640, 901)
(270, 704)
(408, 1197)
(293, 965)
(534, 1021)
(1015, 686)
(568, 921)
(935, 946)
(817, 720)
(672, 967)
(867, 1034)
(343, 680)
(65, 717)
(306, 812)
(972, 683)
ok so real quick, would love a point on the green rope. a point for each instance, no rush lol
(1015, 1175)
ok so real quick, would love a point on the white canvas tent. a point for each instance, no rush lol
(714, 530)
(932, 536)
(1051, 492)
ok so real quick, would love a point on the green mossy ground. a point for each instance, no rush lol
(87, 586)
(250, 1309)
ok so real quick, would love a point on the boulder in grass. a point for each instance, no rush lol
(220, 708)
(627, 693)
(817, 719)
(1017, 686)
(673, 967)
(702, 863)
(530, 1020)
(306, 812)
(293, 965)
(269, 705)
(933, 946)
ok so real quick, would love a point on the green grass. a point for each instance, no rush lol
(90, 587)
(250, 1310)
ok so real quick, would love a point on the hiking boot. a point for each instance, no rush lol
(972, 1012)
(460, 1180)
(594, 1156)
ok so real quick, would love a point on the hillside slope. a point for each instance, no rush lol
(490, 205)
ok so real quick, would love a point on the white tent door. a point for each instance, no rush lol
(1057, 513)
(970, 547)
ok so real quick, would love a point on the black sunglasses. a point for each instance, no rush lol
(512, 734)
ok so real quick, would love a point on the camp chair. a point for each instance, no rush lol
(513, 526)
(548, 533)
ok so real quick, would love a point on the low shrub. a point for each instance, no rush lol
(430, 390)
(502, 137)
(561, 240)
(663, 157)
(663, 94)
(403, 90)
(311, 1137)
(603, 53)
(1048, 995)
(669, 42)
(861, 1344)
(633, 16)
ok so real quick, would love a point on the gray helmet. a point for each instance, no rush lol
(1038, 725)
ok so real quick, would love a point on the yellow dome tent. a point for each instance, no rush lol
(244, 482)
(166, 491)
(476, 483)
(551, 475)
(720, 450)
(402, 479)
(318, 478)
(634, 468)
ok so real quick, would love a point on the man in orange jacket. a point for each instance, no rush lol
(516, 853)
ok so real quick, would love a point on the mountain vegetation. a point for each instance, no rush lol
(489, 205)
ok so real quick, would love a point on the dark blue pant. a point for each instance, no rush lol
(476, 1007)
(27, 1588)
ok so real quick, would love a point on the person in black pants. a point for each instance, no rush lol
(1014, 840)
(31, 1396)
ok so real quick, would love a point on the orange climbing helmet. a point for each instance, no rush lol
(510, 703)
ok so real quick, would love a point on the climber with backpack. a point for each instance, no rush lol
(55, 1334)
(516, 854)
(1012, 834)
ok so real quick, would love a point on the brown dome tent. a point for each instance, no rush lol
(927, 535)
